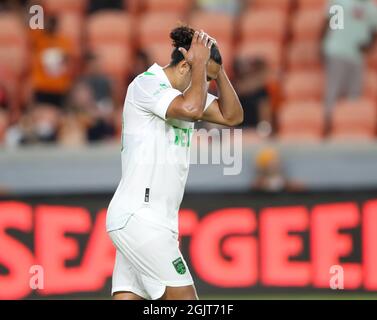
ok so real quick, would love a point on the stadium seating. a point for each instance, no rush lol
(370, 85)
(159, 53)
(285, 33)
(155, 27)
(220, 26)
(11, 83)
(71, 26)
(115, 59)
(270, 51)
(303, 86)
(110, 26)
(372, 56)
(63, 6)
(110, 36)
(354, 120)
(283, 5)
(12, 30)
(132, 6)
(174, 6)
(14, 54)
(301, 122)
(15, 59)
(312, 4)
(304, 55)
(266, 25)
(308, 24)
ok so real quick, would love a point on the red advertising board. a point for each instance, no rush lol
(232, 242)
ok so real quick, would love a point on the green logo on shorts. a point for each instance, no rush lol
(179, 266)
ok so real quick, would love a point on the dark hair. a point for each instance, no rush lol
(181, 38)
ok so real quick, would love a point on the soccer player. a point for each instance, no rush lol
(160, 109)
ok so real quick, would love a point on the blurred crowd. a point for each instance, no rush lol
(296, 76)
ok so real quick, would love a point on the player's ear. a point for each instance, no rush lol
(184, 67)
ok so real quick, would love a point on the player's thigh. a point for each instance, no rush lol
(160, 258)
(125, 280)
(126, 296)
(155, 256)
(180, 293)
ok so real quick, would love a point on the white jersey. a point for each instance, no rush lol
(155, 154)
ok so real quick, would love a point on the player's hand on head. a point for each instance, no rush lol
(200, 49)
(214, 41)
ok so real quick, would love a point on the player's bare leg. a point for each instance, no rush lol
(126, 296)
(180, 293)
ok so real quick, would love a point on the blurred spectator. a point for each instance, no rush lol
(73, 129)
(4, 122)
(99, 84)
(4, 100)
(52, 70)
(10, 96)
(39, 124)
(343, 50)
(222, 6)
(92, 95)
(96, 5)
(140, 64)
(270, 175)
(251, 80)
(100, 129)
(13, 5)
(4, 114)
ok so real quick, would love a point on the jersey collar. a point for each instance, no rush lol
(160, 73)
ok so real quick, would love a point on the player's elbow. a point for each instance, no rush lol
(194, 112)
(236, 120)
(197, 115)
(239, 120)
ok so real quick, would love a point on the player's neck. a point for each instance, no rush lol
(170, 73)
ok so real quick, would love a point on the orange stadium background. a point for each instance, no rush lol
(304, 201)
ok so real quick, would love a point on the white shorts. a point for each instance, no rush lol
(147, 259)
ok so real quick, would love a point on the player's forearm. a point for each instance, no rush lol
(195, 96)
(229, 102)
